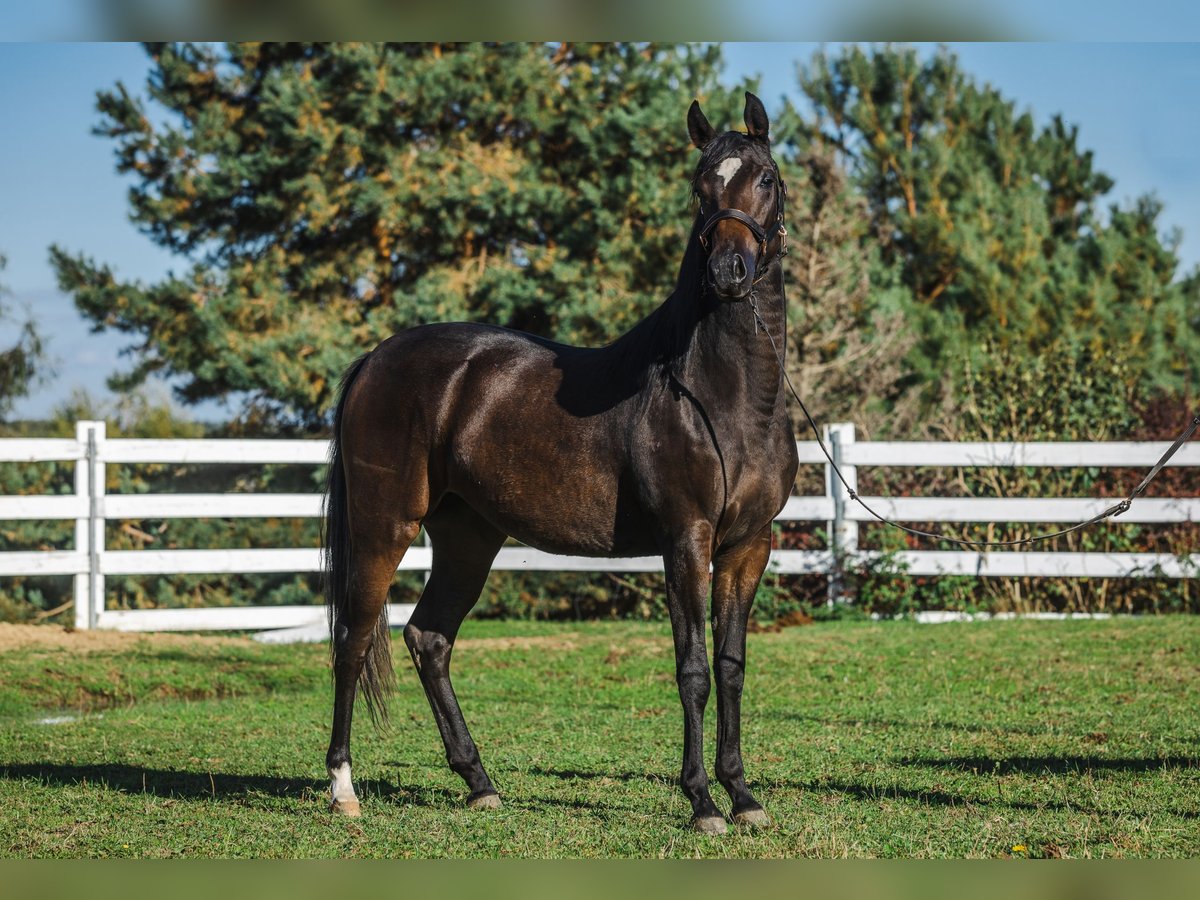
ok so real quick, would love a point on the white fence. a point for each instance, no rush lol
(89, 562)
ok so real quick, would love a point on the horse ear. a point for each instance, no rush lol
(757, 123)
(698, 128)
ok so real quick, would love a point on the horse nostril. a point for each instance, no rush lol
(738, 269)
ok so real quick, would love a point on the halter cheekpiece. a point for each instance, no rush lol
(761, 236)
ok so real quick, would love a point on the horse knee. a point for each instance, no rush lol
(694, 684)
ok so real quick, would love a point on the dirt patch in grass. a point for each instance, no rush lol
(565, 641)
(55, 637)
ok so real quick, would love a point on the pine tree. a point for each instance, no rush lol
(23, 361)
(996, 228)
(322, 197)
(848, 329)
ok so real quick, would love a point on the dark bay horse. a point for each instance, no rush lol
(672, 440)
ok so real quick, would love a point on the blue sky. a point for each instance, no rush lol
(1133, 104)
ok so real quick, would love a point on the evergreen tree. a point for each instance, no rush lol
(995, 228)
(20, 362)
(322, 197)
(848, 327)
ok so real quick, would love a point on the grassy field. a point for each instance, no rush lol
(1061, 739)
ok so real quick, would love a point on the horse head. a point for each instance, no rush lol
(741, 197)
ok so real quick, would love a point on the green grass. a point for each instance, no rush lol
(1075, 739)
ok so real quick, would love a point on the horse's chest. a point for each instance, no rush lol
(735, 477)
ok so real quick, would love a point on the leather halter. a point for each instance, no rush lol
(761, 236)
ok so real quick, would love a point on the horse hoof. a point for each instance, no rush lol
(709, 824)
(752, 818)
(489, 800)
(346, 808)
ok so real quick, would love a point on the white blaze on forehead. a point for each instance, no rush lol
(728, 168)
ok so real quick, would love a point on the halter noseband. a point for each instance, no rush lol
(761, 235)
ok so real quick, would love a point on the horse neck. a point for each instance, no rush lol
(730, 358)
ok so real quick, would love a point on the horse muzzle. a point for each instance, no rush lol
(732, 260)
(731, 273)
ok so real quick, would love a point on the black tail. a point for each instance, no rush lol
(377, 678)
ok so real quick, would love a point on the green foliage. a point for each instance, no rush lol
(1067, 394)
(22, 363)
(326, 196)
(995, 229)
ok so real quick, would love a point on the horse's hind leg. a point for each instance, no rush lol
(372, 567)
(464, 546)
(736, 573)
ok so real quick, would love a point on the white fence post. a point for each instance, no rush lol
(843, 531)
(82, 529)
(89, 532)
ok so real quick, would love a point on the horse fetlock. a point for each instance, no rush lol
(464, 763)
(343, 799)
(730, 774)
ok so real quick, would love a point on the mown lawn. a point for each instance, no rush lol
(1073, 739)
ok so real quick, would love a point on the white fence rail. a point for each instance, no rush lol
(90, 506)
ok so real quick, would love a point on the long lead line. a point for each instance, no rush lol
(1114, 510)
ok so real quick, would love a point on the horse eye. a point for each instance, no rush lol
(767, 181)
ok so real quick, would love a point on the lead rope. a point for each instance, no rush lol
(1114, 510)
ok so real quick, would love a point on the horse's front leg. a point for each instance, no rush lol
(686, 562)
(736, 573)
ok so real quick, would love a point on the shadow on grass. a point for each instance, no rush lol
(1051, 765)
(937, 797)
(184, 785)
(909, 724)
(527, 800)
(176, 784)
(578, 774)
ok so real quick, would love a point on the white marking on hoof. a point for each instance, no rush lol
(341, 788)
(752, 818)
(728, 168)
(709, 824)
(484, 801)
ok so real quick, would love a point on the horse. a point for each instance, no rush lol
(673, 440)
